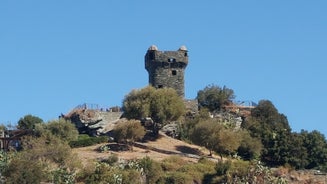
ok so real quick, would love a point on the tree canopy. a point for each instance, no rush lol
(267, 124)
(316, 146)
(129, 131)
(214, 136)
(281, 146)
(64, 129)
(162, 105)
(214, 97)
(28, 122)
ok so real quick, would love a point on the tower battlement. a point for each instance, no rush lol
(166, 68)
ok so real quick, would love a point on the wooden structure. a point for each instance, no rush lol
(12, 138)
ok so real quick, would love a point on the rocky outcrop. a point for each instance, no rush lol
(229, 119)
(171, 129)
(94, 121)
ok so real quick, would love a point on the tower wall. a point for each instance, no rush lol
(166, 68)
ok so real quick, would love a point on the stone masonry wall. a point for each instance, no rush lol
(166, 69)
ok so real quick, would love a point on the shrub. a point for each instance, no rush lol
(198, 171)
(84, 141)
(105, 173)
(43, 159)
(131, 176)
(129, 132)
(112, 159)
(152, 170)
(238, 169)
(222, 167)
(172, 163)
(21, 170)
(178, 178)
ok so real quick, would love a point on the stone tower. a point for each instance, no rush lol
(166, 68)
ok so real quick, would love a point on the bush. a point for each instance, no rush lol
(178, 178)
(152, 170)
(131, 176)
(112, 159)
(222, 167)
(22, 170)
(198, 171)
(239, 169)
(83, 141)
(105, 173)
(172, 163)
(129, 132)
(64, 129)
(43, 159)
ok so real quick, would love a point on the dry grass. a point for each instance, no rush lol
(165, 147)
(158, 149)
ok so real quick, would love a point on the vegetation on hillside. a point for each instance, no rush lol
(281, 145)
(264, 140)
(45, 156)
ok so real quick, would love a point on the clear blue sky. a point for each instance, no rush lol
(55, 55)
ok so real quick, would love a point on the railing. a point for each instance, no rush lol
(98, 107)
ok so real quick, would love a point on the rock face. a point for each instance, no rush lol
(93, 121)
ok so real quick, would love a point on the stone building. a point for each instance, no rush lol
(166, 68)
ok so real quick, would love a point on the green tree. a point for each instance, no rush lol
(166, 106)
(136, 104)
(205, 134)
(29, 122)
(64, 129)
(188, 124)
(316, 146)
(162, 105)
(272, 128)
(129, 132)
(250, 147)
(297, 152)
(214, 97)
(214, 136)
(228, 141)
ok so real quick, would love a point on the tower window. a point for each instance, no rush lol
(174, 72)
(170, 60)
(160, 86)
(151, 55)
(185, 54)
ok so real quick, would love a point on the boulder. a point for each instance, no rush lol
(93, 121)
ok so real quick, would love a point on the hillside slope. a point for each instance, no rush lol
(165, 146)
(158, 149)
